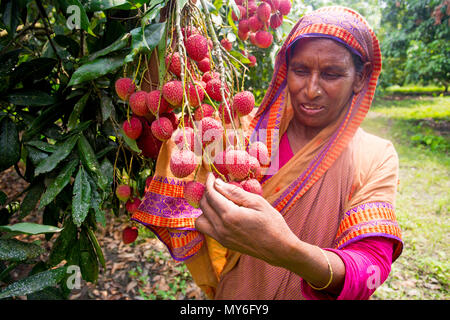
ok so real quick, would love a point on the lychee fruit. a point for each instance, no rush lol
(219, 163)
(243, 35)
(284, 7)
(193, 193)
(242, 13)
(243, 26)
(124, 88)
(263, 12)
(205, 110)
(210, 75)
(226, 44)
(132, 204)
(255, 168)
(263, 39)
(253, 186)
(132, 128)
(243, 103)
(274, 4)
(259, 150)
(238, 163)
(138, 103)
(276, 20)
(213, 87)
(195, 94)
(155, 102)
(173, 63)
(204, 65)
(254, 24)
(123, 192)
(182, 163)
(212, 130)
(173, 92)
(196, 47)
(129, 234)
(162, 128)
(184, 137)
(147, 142)
(172, 117)
(252, 59)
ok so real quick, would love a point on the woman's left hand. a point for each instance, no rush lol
(243, 222)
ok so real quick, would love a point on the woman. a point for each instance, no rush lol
(325, 227)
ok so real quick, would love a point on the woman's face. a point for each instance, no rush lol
(321, 79)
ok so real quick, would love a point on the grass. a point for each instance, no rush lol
(419, 129)
(413, 89)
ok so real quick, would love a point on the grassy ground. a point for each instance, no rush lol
(420, 130)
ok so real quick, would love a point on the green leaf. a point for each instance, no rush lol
(97, 247)
(64, 243)
(101, 5)
(64, 149)
(3, 198)
(77, 110)
(89, 160)
(96, 202)
(107, 106)
(9, 142)
(152, 12)
(30, 228)
(34, 283)
(116, 45)
(81, 200)
(18, 251)
(130, 142)
(35, 69)
(10, 16)
(30, 98)
(42, 145)
(58, 184)
(88, 259)
(70, 44)
(31, 199)
(145, 39)
(97, 68)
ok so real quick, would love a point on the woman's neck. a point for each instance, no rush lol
(299, 135)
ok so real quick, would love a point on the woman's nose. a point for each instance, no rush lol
(313, 90)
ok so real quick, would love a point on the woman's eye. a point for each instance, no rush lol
(327, 75)
(301, 72)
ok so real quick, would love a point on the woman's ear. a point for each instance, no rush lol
(361, 77)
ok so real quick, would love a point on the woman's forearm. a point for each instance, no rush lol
(309, 262)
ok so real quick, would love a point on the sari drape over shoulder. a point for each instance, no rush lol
(337, 189)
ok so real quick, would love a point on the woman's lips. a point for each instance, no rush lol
(311, 109)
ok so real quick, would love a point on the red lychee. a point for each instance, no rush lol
(132, 128)
(205, 110)
(123, 192)
(220, 164)
(129, 234)
(172, 117)
(210, 75)
(182, 163)
(259, 150)
(155, 101)
(132, 204)
(252, 59)
(263, 39)
(173, 92)
(242, 13)
(184, 138)
(253, 186)
(195, 94)
(162, 128)
(263, 12)
(238, 163)
(255, 168)
(243, 103)
(243, 35)
(173, 63)
(284, 7)
(226, 44)
(212, 130)
(204, 65)
(274, 4)
(254, 24)
(124, 88)
(213, 89)
(147, 142)
(193, 193)
(138, 103)
(243, 26)
(187, 121)
(276, 20)
(197, 47)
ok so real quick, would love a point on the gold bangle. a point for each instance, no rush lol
(331, 273)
